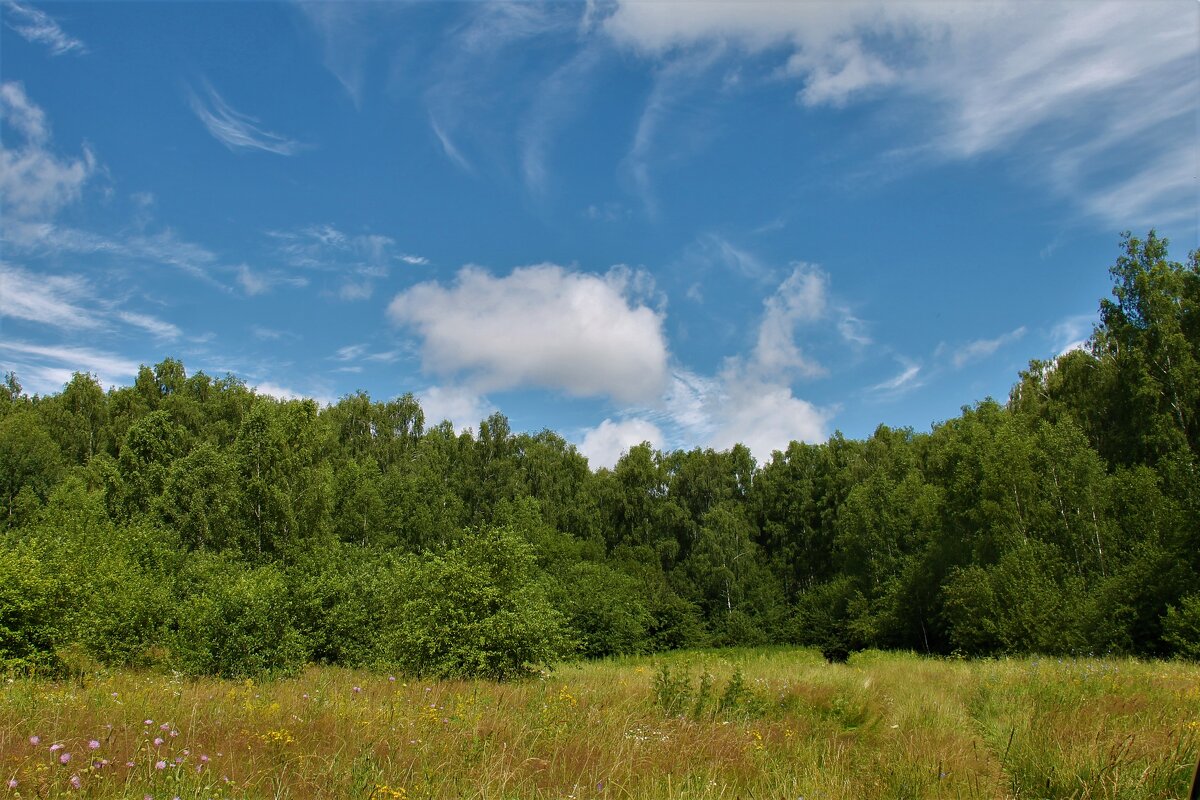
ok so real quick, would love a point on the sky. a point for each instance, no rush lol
(692, 224)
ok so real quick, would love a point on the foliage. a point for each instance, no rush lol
(187, 520)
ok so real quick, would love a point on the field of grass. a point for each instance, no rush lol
(731, 724)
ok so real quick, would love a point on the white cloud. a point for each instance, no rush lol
(607, 442)
(764, 416)
(256, 283)
(236, 130)
(907, 380)
(462, 406)
(1092, 79)
(982, 348)
(801, 298)
(157, 328)
(33, 181)
(40, 28)
(416, 261)
(541, 325)
(48, 299)
(51, 363)
(448, 147)
(1072, 333)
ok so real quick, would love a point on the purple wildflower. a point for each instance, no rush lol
(160, 764)
(64, 758)
(94, 745)
(54, 748)
(158, 740)
(34, 740)
(75, 782)
(12, 783)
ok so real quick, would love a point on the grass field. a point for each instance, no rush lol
(730, 724)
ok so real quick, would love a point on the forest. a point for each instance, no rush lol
(187, 523)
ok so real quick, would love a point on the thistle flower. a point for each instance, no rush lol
(75, 782)
(64, 758)
(94, 744)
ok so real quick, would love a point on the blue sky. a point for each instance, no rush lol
(692, 224)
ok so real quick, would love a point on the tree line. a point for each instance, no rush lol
(187, 522)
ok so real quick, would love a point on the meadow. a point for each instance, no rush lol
(764, 723)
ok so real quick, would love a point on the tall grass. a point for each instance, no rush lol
(728, 724)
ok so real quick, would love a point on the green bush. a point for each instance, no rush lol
(233, 621)
(34, 621)
(1181, 627)
(479, 611)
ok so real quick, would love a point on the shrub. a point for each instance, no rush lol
(234, 621)
(479, 611)
(1181, 627)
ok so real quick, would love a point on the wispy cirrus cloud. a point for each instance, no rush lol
(236, 130)
(990, 77)
(34, 182)
(45, 368)
(980, 348)
(159, 329)
(38, 27)
(55, 300)
(360, 259)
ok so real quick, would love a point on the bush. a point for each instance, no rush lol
(33, 623)
(1181, 627)
(234, 622)
(479, 611)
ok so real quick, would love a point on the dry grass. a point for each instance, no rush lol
(883, 726)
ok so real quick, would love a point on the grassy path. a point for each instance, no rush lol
(884, 726)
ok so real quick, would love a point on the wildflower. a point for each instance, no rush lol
(178, 759)
(160, 764)
(391, 678)
(158, 740)
(204, 759)
(93, 745)
(147, 722)
(166, 726)
(357, 689)
(187, 752)
(174, 733)
(12, 783)
(75, 782)
(64, 758)
(54, 748)
(33, 740)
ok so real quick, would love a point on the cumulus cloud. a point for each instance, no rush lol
(34, 182)
(40, 28)
(542, 326)
(604, 444)
(765, 416)
(801, 298)
(463, 407)
(236, 130)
